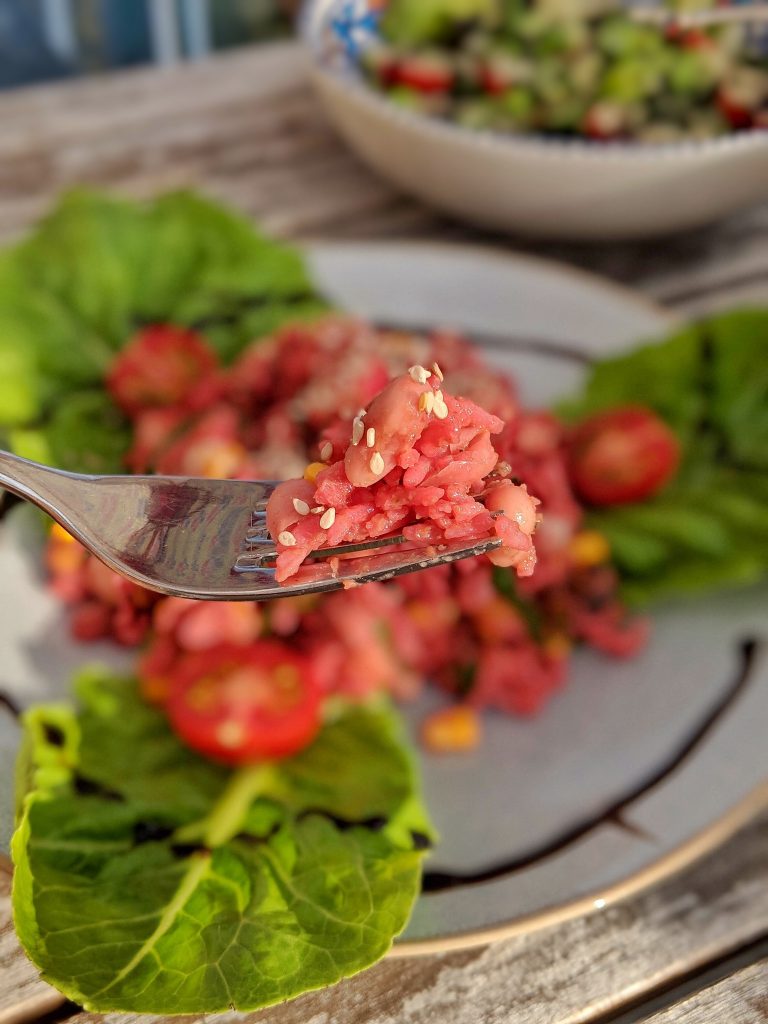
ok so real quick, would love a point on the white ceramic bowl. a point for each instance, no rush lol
(531, 184)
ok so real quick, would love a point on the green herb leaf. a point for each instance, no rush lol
(211, 267)
(150, 880)
(87, 432)
(662, 376)
(97, 268)
(709, 528)
(504, 582)
(739, 347)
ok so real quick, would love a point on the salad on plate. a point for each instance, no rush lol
(241, 820)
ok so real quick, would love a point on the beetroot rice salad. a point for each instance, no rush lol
(419, 462)
(492, 635)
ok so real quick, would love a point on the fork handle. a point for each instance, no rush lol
(49, 489)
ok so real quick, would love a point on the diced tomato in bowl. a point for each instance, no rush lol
(425, 73)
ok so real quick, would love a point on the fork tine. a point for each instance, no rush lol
(254, 540)
(267, 549)
(254, 563)
(351, 549)
(260, 507)
(317, 577)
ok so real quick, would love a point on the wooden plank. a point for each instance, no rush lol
(740, 999)
(22, 995)
(569, 974)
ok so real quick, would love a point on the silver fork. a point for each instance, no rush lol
(202, 539)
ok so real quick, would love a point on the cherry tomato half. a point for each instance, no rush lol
(240, 704)
(735, 112)
(622, 456)
(424, 74)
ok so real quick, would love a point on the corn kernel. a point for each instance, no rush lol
(589, 548)
(312, 470)
(557, 645)
(202, 695)
(58, 533)
(452, 730)
(155, 689)
(219, 460)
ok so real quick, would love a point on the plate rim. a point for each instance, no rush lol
(496, 252)
(705, 841)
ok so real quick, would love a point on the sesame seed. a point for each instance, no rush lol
(437, 371)
(327, 519)
(326, 451)
(358, 429)
(426, 402)
(439, 397)
(419, 374)
(441, 410)
(377, 463)
(301, 506)
(370, 437)
(286, 538)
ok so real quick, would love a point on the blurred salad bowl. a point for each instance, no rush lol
(549, 186)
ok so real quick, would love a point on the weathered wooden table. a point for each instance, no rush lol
(246, 128)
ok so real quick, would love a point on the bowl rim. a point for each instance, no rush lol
(310, 18)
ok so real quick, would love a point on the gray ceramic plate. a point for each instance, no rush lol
(637, 767)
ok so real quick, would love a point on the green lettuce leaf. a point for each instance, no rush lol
(148, 879)
(662, 375)
(709, 527)
(738, 343)
(95, 269)
(211, 268)
(88, 431)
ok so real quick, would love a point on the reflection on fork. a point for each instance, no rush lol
(204, 539)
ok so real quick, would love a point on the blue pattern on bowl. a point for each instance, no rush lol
(341, 31)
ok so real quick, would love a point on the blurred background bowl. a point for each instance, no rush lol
(546, 187)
